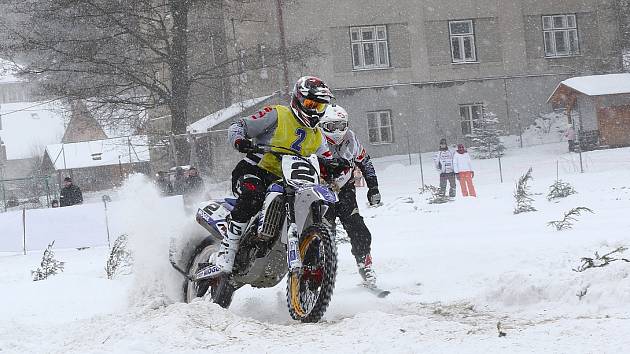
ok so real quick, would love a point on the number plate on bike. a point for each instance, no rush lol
(300, 170)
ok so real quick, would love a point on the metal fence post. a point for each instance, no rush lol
(4, 197)
(408, 149)
(580, 153)
(106, 199)
(557, 170)
(421, 169)
(24, 229)
(47, 191)
(500, 168)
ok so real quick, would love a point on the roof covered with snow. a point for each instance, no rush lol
(208, 122)
(27, 127)
(97, 153)
(598, 85)
(8, 71)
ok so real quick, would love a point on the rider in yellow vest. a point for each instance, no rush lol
(295, 128)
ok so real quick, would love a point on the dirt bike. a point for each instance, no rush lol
(288, 236)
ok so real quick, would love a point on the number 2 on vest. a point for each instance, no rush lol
(297, 144)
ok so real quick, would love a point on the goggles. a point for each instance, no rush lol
(318, 107)
(335, 125)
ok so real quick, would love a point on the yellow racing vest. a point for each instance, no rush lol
(290, 134)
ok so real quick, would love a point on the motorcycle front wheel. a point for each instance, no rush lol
(310, 290)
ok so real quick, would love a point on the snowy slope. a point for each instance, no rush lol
(455, 270)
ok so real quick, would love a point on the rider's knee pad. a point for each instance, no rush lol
(250, 185)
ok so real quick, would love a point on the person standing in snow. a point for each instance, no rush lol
(70, 194)
(163, 183)
(462, 166)
(344, 144)
(443, 161)
(193, 184)
(192, 188)
(179, 185)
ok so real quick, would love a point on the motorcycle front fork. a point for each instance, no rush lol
(294, 261)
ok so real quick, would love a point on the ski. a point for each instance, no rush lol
(380, 293)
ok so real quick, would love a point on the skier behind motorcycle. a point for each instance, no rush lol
(294, 128)
(344, 144)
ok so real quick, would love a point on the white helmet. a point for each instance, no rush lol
(334, 123)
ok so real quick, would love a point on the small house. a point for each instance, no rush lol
(98, 164)
(598, 107)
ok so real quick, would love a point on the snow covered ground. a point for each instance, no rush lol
(455, 270)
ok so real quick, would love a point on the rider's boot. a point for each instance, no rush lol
(223, 259)
(365, 270)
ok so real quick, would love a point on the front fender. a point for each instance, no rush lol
(304, 200)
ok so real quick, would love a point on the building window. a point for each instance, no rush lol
(369, 47)
(462, 35)
(560, 36)
(470, 117)
(380, 127)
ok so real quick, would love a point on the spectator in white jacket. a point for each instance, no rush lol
(443, 161)
(464, 171)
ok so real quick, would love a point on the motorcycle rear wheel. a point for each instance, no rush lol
(221, 290)
(309, 291)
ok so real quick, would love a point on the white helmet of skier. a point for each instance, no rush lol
(334, 123)
(309, 100)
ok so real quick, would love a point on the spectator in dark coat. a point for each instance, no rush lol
(164, 184)
(193, 183)
(179, 184)
(70, 194)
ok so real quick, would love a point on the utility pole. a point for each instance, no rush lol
(283, 45)
(237, 54)
(520, 129)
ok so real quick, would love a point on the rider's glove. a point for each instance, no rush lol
(374, 196)
(337, 165)
(243, 145)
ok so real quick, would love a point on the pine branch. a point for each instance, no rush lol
(559, 190)
(523, 195)
(119, 257)
(437, 197)
(48, 266)
(601, 261)
(569, 217)
(582, 293)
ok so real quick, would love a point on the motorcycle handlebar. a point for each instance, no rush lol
(263, 148)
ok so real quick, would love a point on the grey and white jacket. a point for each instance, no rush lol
(443, 161)
(351, 150)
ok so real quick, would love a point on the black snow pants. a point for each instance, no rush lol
(249, 184)
(348, 212)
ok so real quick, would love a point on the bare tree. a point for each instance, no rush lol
(134, 54)
(622, 8)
